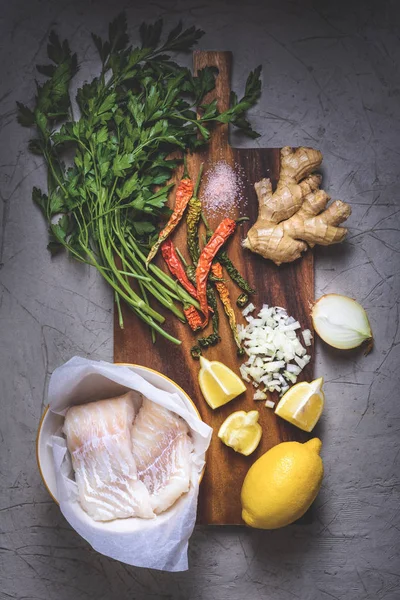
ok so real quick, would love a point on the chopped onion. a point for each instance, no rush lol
(293, 369)
(276, 355)
(341, 322)
(291, 326)
(290, 377)
(244, 373)
(301, 363)
(274, 366)
(259, 395)
(270, 404)
(249, 308)
(307, 337)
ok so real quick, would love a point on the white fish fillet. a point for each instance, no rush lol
(99, 440)
(161, 448)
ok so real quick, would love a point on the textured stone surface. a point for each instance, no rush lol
(331, 80)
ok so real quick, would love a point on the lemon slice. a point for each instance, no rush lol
(302, 405)
(218, 383)
(241, 431)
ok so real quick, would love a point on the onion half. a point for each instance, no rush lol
(341, 322)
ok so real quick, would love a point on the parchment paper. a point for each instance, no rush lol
(159, 543)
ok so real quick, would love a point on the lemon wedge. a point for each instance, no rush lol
(302, 405)
(218, 383)
(241, 431)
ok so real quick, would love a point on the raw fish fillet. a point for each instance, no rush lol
(99, 440)
(162, 448)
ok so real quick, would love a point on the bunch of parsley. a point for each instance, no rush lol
(104, 204)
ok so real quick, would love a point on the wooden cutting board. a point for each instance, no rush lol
(290, 286)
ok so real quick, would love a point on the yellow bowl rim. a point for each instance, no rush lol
(122, 365)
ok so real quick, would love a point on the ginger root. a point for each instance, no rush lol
(295, 216)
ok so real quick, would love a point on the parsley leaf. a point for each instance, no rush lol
(236, 113)
(107, 158)
(25, 116)
(117, 33)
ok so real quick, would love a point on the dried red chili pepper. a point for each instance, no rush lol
(176, 267)
(191, 273)
(184, 193)
(193, 317)
(220, 235)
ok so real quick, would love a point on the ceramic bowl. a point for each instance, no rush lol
(50, 423)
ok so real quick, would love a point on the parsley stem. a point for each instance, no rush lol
(135, 305)
(163, 299)
(135, 276)
(171, 283)
(145, 298)
(157, 327)
(168, 293)
(118, 303)
(175, 291)
(134, 299)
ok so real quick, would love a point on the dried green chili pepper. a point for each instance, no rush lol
(192, 227)
(192, 222)
(242, 300)
(234, 274)
(191, 272)
(195, 352)
(226, 302)
(213, 338)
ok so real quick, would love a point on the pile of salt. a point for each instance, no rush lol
(223, 191)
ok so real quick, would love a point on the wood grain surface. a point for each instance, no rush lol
(290, 286)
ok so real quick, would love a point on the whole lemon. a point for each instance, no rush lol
(282, 484)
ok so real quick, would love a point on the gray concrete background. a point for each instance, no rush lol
(331, 80)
